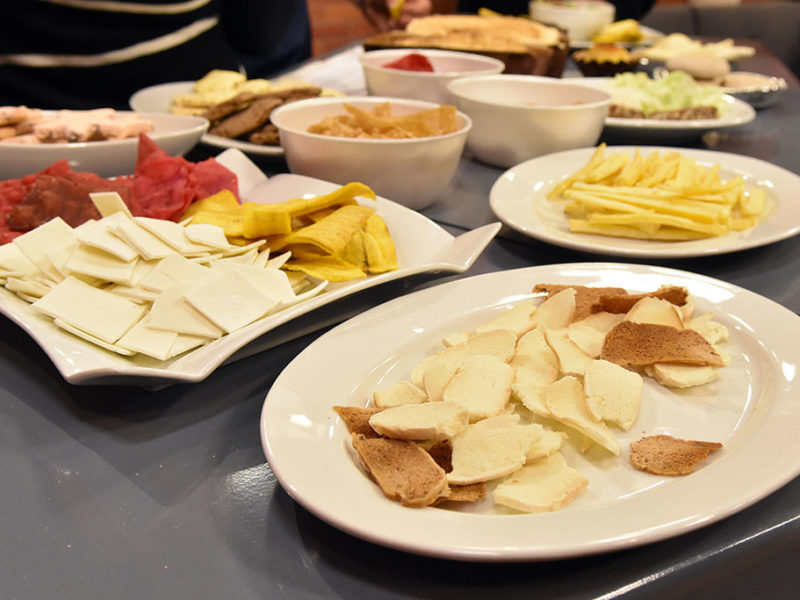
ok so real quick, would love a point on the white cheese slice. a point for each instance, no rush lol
(171, 312)
(48, 237)
(182, 269)
(108, 203)
(208, 235)
(277, 262)
(148, 245)
(262, 258)
(142, 268)
(229, 300)
(88, 260)
(156, 281)
(233, 250)
(95, 311)
(101, 236)
(31, 288)
(149, 341)
(270, 282)
(172, 234)
(309, 293)
(136, 294)
(90, 338)
(14, 261)
(186, 342)
(246, 258)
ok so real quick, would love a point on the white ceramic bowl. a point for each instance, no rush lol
(175, 134)
(517, 117)
(412, 172)
(581, 18)
(423, 85)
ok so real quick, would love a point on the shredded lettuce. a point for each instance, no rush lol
(671, 92)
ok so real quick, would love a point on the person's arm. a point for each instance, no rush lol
(394, 14)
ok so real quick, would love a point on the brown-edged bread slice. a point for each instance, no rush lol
(356, 419)
(622, 303)
(667, 455)
(640, 344)
(403, 470)
(585, 296)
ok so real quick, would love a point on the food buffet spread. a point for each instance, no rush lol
(519, 297)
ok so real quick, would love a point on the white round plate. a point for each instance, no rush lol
(651, 131)
(751, 409)
(157, 98)
(651, 36)
(175, 134)
(519, 199)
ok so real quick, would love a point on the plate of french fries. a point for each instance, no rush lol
(649, 201)
(595, 499)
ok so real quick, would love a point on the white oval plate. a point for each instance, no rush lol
(175, 134)
(737, 112)
(519, 199)
(752, 409)
(157, 98)
(422, 247)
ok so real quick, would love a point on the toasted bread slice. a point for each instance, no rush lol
(482, 387)
(557, 311)
(682, 376)
(588, 334)
(565, 401)
(705, 325)
(499, 343)
(356, 419)
(532, 397)
(518, 319)
(655, 310)
(429, 421)
(545, 485)
(667, 455)
(639, 344)
(571, 359)
(549, 443)
(613, 393)
(619, 303)
(399, 394)
(436, 377)
(403, 470)
(490, 449)
(463, 493)
(585, 297)
(534, 361)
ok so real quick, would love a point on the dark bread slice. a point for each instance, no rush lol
(631, 344)
(667, 455)
(675, 294)
(244, 121)
(402, 469)
(585, 297)
(356, 419)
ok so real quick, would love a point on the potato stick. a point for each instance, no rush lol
(663, 234)
(632, 171)
(608, 168)
(596, 158)
(660, 174)
(626, 204)
(661, 219)
(753, 202)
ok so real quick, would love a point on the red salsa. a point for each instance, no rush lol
(413, 61)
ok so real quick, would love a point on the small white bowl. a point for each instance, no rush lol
(423, 85)
(413, 172)
(175, 134)
(518, 117)
(581, 18)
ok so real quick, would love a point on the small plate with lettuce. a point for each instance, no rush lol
(670, 108)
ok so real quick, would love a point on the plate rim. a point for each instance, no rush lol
(632, 539)
(611, 246)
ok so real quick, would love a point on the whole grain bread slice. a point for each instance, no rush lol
(622, 303)
(356, 419)
(640, 344)
(667, 455)
(403, 470)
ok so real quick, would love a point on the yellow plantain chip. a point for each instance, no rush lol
(340, 197)
(261, 220)
(331, 268)
(230, 222)
(355, 251)
(223, 201)
(378, 245)
(331, 235)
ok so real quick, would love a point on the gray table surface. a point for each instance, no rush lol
(115, 492)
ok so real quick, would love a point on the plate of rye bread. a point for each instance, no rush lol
(241, 122)
(438, 424)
